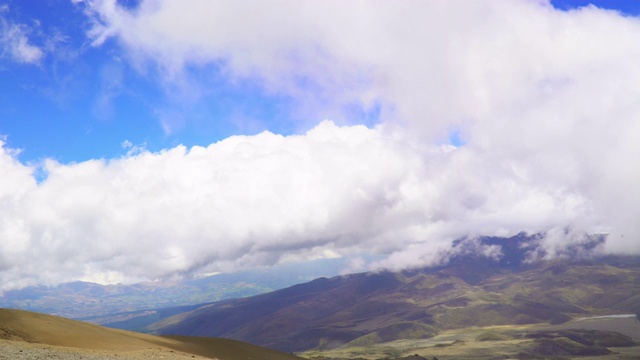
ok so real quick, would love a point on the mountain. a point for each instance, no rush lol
(34, 335)
(93, 302)
(471, 290)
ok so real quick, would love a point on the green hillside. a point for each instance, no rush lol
(369, 308)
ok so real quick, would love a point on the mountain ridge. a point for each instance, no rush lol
(471, 290)
(84, 300)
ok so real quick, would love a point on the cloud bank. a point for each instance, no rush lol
(259, 200)
(542, 103)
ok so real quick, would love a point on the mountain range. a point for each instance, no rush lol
(470, 290)
(491, 298)
(92, 302)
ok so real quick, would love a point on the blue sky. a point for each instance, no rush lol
(79, 101)
(150, 139)
(631, 8)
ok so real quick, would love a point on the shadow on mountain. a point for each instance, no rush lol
(471, 290)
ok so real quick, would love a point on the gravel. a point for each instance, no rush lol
(11, 350)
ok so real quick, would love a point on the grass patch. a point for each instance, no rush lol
(409, 330)
(492, 336)
(562, 346)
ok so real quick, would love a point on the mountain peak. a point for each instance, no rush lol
(522, 249)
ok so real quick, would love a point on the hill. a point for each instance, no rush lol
(47, 336)
(525, 342)
(471, 290)
(92, 302)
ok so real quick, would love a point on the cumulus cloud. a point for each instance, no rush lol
(257, 200)
(244, 201)
(436, 65)
(544, 101)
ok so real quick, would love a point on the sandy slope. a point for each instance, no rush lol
(10, 350)
(28, 335)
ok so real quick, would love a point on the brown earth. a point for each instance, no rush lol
(28, 335)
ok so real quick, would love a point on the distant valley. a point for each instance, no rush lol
(94, 302)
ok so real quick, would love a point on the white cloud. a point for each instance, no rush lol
(14, 41)
(545, 100)
(242, 201)
(257, 200)
(518, 73)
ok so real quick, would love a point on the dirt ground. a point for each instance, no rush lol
(10, 350)
(28, 335)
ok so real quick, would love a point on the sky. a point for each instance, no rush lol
(150, 139)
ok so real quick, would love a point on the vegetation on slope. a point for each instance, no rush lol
(336, 311)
